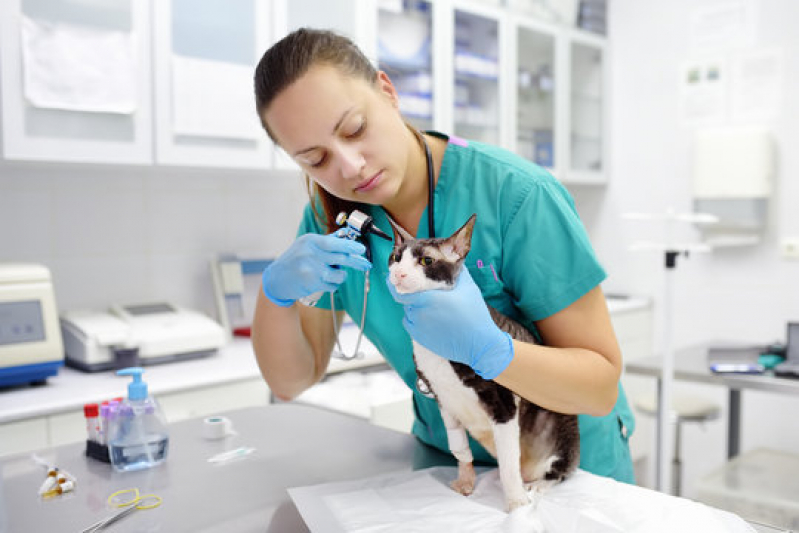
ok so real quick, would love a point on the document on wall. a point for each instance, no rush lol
(757, 81)
(703, 91)
(213, 99)
(78, 68)
(723, 25)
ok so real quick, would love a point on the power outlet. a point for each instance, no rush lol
(790, 247)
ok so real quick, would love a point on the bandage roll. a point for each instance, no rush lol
(217, 427)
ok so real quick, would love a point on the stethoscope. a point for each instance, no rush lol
(356, 227)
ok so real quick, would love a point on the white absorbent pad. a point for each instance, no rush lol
(421, 501)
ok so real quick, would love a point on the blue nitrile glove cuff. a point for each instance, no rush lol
(457, 325)
(493, 360)
(313, 263)
(265, 285)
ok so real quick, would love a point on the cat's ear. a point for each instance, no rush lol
(461, 240)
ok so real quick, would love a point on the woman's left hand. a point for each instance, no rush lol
(456, 324)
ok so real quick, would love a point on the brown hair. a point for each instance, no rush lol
(288, 60)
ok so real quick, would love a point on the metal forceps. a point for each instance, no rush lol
(135, 502)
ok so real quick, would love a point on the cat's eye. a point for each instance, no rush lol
(425, 261)
(395, 257)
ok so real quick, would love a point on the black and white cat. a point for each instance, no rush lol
(534, 447)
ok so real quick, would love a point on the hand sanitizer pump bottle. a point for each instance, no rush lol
(138, 436)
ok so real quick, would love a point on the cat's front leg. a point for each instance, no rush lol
(506, 439)
(459, 446)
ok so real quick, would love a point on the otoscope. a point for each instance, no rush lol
(358, 225)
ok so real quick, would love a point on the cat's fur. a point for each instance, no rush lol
(533, 446)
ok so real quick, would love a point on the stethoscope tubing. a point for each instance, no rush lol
(431, 230)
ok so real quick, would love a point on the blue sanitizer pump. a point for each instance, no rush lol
(137, 435)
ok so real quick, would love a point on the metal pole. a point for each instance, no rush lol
(666, 379)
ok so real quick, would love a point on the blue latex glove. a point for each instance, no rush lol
(312, 264)
(456, 324)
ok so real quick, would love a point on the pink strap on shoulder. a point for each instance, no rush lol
(457, 140)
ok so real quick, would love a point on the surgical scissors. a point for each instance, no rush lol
(139, 501)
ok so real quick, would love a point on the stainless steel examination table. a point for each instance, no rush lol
(295, 445)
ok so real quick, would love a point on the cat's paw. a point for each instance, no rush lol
(466, 479)
(463, 486)
(516, 503)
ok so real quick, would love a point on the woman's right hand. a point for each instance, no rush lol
(312, 264)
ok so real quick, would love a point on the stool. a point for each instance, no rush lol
(684, 408)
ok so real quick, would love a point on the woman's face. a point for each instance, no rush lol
(345, 132)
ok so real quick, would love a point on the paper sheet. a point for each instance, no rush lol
(78, 68)
(703, 91)
(421, 501)
(723, 25)
(223, 107)
(757, 81)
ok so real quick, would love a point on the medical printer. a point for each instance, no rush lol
(156, 332)
(30, 339)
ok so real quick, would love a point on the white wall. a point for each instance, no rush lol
(138, 234)
(744, 294)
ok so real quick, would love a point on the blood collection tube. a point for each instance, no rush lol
(103, 431)
(90, 411)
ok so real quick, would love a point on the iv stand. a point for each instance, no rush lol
(671, 252)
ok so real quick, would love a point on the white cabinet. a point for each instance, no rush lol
(560, 100)
(477, 61)
(55, 429)
(23, 436)
(405, 53)
(535, 118)
(214, 399)
(500, 76)
(205, 53)
(165, 82)
(586, 145)
(76, 81)
(473, 69)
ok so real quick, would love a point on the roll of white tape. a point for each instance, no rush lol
(217, 427)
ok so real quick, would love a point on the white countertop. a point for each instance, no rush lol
(624, 304)
(71, 388)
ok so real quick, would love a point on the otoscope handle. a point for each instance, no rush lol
(355, 226)
(311, 299)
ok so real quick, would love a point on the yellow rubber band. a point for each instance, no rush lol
(114, 498)
(152, 497)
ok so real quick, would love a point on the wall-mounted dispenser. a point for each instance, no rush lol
(733, 172)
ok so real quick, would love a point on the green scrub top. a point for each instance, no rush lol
(531, 258)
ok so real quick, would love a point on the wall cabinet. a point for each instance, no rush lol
(586, 107)
(204, 54)
(76, 81)
(474, 69)
(499, 76)
(133, 81)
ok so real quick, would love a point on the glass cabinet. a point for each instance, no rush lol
(405, 53)
(586, 105)
(476, 68)
(535, 96)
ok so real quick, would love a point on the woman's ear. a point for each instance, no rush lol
(386, 87)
